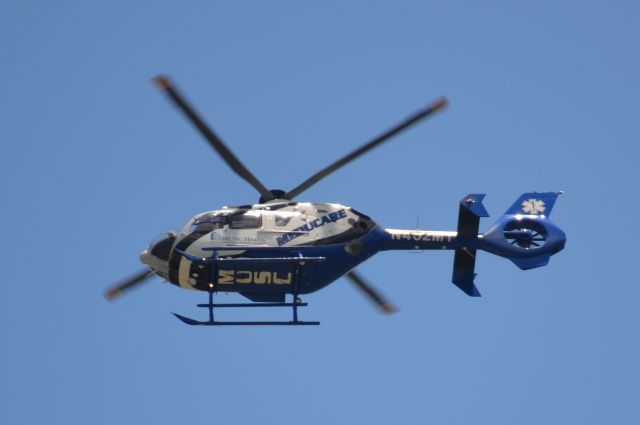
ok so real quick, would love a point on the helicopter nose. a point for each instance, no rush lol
(161, 246)
(158, 253)
(146, 258)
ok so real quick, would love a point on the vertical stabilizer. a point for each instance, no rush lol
(534, 203)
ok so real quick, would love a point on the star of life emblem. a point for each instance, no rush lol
(533, 206)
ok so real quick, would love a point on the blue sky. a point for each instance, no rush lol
(96, 162)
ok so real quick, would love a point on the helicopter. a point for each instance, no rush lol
(281, 247)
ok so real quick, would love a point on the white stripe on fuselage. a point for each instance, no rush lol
(183, 273)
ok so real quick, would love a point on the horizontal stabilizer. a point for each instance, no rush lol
(473, 203)
(464, 271)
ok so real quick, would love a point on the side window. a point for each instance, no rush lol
(282, 220)
(245, 221)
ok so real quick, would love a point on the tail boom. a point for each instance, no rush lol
(398, 239)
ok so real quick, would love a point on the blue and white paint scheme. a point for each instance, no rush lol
(279, 246)
(341, 235)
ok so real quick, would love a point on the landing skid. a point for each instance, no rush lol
(211, 322)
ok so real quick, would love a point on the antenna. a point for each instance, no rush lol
(416, 251)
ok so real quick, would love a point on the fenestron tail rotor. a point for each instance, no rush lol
(229, 157)
(116, 291)
(434, 107)
(373, 295)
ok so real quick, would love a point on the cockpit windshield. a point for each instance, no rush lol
(161, 246)
(209, 222)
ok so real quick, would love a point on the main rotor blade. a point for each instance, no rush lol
(359, 281)
(420, 115)
(116, 291)
(166, 85)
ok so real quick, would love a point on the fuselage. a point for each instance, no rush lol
(264, 251)
(277, 229)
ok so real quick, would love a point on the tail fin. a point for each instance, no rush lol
(534, 203)
(523, 234)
